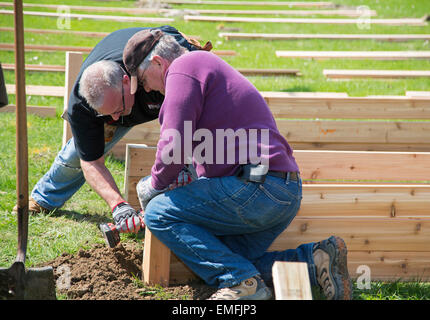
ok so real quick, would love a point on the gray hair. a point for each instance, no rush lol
(97, 78)
(167, 48)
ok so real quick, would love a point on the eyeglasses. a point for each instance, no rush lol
(116, 112)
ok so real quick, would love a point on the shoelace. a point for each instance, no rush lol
(326, 284)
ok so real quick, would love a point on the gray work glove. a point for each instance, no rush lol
(145, 191)
(126, 218)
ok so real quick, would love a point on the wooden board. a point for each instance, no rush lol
(36, 110)
(375, 74)
(138, 163)
(254, 3)
(245, 72)
(34, 47)
(273, 96)
(340, 106)
(94, 17)
(391, 266)
(375, 134)
(355, 201)
(35, 67)
(156, 261)
(342, 12)
(346, 166)
(409, 136)
(373, 55)
(92, 34)
(291, 281)
(52, 91)
(351, 201)
(363, 166)
(386, 227)
(316, 105)
(131, 10)
(295, 36)
(388, 22)
(418, 94)
(336, 12)
(269, 72)
(383, 265)
(73, 65)
(360, 234)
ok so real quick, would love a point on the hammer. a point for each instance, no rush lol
(111, 233)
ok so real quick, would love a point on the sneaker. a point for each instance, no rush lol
(33, 207)
(331, 268)
(250, 289)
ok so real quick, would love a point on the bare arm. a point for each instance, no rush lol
(101, 180)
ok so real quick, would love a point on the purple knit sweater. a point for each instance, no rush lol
(214, 115)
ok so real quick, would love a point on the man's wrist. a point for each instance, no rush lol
(119, 204)
(113, 203)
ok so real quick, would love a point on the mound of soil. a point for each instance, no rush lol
(102, 273)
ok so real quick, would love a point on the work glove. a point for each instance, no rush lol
(145, 190)
(185, 176)
(127, 219)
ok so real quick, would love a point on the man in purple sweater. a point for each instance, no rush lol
(249, 188)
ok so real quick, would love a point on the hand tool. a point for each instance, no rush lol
(111, 233)
(16, 282)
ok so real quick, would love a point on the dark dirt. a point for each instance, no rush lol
(101, 273)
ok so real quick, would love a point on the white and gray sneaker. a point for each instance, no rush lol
(250, 289)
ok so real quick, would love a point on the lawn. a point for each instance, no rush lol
(75, 226)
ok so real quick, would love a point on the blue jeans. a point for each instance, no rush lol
(65, 177)
(222, 227)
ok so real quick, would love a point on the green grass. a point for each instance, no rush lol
(397, 290)
(75, 225)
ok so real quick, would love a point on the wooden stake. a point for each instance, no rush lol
(156, 261)
(73, 65)
(291, 281)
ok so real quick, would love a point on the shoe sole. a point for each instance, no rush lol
(262, 294)
(339, 269)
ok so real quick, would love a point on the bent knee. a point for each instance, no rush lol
(153, 212)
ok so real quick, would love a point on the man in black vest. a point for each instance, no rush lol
(101, 111)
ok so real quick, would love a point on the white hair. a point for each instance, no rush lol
(167, 48)
(97, 78)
